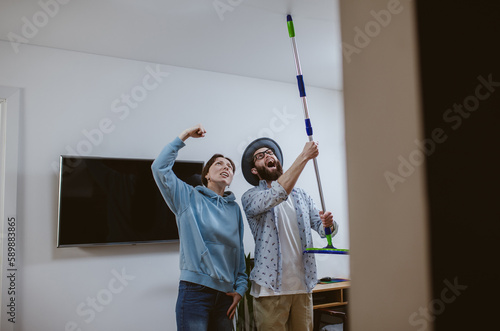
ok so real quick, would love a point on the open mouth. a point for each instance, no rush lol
(224, 174)
(271, 163)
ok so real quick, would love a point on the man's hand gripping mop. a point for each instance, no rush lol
(328, 249)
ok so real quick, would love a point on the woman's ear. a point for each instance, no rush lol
(254, 171)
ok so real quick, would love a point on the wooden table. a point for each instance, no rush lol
(328, 296)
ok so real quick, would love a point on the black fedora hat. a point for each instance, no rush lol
(247, 158)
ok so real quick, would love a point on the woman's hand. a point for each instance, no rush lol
(196, 131)
(232, 310)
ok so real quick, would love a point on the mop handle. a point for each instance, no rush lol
(309, 130)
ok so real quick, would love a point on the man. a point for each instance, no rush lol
(281, 218)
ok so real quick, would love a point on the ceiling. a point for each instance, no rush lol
(240, 37)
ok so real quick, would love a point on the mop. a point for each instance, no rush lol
(329, 249)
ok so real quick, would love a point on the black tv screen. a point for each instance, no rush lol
(113, 201)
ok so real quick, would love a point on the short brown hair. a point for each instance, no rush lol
(209, 163)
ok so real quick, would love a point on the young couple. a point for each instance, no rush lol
(210, 223)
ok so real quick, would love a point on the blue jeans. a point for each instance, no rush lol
(200, 308)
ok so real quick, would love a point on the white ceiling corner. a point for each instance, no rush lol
(240, 37)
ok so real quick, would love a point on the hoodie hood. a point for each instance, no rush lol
(228, 195)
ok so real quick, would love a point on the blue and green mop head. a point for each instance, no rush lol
(330, 249)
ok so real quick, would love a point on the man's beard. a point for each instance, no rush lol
(270, 175)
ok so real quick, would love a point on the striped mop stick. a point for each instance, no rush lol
(302, 91)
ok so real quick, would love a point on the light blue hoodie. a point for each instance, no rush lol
(210, 228)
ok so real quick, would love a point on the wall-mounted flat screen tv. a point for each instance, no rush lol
(113, 201)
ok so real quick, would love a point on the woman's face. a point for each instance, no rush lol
(221, 172)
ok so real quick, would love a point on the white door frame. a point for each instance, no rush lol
(9, 255)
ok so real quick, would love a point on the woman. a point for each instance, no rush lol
(210, 223)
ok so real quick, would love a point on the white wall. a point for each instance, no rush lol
(65, 94)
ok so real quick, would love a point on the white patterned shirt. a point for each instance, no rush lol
(259, 203)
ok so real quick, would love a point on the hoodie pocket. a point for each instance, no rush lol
(219, 261)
